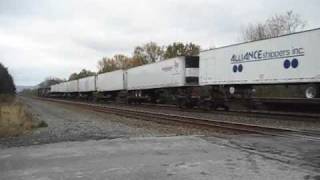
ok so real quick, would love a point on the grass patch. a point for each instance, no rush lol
(7, 99)
(15, 119)
(40, 124)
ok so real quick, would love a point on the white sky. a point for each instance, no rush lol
(41, 38)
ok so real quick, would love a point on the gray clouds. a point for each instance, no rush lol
(55, 38)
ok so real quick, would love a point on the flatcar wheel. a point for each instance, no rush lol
(207, 106)
(182, 103)
(311, 92)
(226, 108)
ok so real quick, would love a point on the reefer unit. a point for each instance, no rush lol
(111, 81)
(87, 84)
(175, 72)
(293, 58)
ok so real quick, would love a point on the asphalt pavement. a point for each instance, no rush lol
(183, 157)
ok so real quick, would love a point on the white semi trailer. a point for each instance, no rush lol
(87, 84)
(175, 72)
(111, 85)
(172, 76)
(59, 88)
(289, 59)
(111, 81)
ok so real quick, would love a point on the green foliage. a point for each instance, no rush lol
(6, 82)
(149, 53)
(180, 49)
(83, 73)
(42, 124)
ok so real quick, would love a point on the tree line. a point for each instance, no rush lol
(148, 53)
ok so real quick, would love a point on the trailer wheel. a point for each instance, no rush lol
(312, 91)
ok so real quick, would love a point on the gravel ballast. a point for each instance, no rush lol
(284, 123)
(71, 123)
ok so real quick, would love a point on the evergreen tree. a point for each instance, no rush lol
(6, 82)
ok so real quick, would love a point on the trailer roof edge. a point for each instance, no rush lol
(260, 40)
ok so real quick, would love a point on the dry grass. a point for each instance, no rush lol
(15, 119)
(7, 99)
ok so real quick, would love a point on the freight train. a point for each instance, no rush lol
(213, 78)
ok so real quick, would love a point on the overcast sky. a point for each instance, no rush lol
(41, 38)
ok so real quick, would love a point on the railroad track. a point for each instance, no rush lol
(246, 113)
(288, 115)
(195, 121)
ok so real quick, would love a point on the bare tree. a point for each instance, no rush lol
(255, 32)
(274, 26)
